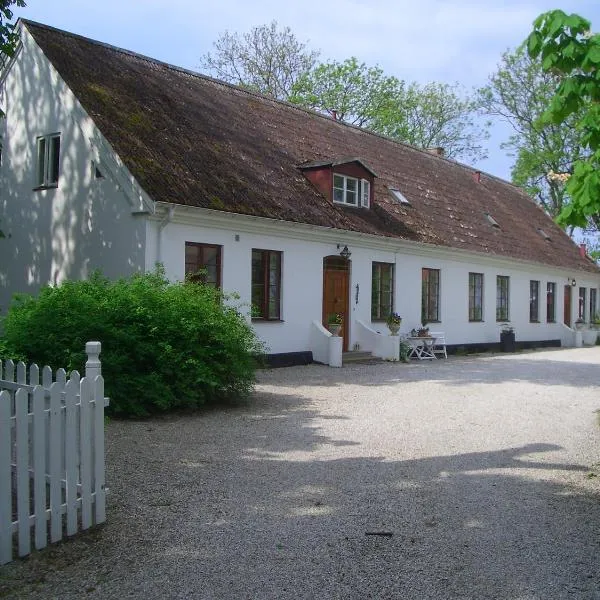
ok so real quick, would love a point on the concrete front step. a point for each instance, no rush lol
(359, 357)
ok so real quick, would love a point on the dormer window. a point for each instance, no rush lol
(351, 191)
(346, 181)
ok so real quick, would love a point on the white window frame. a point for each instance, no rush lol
(46, 161)
(362, 191)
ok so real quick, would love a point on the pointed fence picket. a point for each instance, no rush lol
(51, 453)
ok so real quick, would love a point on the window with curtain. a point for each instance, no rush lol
(382, 291)
(475, 296)
(502, 297)
(203, 263)
(266, 284)
(534, 301)
(551, 302)
(430, 296)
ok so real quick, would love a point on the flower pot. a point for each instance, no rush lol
(507, 341)
(394, 328)
(335, 329)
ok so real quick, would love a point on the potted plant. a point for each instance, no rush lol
(393, 322)
(405, 351)
(507, 338)
(579, 324)
(334, 323)
(423, 331)
(595, 321)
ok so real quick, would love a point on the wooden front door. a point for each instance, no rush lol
(335, 291)
(567, 311)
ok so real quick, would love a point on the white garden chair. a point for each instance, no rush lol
(439, 346)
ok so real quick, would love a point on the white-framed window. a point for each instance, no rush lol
(48, 160)
(351, 191)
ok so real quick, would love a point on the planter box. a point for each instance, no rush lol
(507, 341)
(589, 337)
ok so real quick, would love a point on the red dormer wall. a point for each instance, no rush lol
(322, 179)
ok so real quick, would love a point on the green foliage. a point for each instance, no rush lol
(354, 92)
(426, 116)
(405, 349)
(519, 93)
(435, 115)
(8, 37)
(164, 346)
(566, 47)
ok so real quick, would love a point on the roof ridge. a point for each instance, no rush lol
(264, 97)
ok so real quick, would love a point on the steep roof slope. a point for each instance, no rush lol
(189, 139)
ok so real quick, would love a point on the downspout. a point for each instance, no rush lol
(166, 220)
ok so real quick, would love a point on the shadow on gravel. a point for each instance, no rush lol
(456, 371)
(236, 504)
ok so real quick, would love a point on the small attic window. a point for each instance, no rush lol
(398, 195)
(544, 234)
(351, 191)
(492, 221)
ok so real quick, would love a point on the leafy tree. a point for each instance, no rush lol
(424, 116)
(567, 48)
(267, 59)
(519, 93)
(435, 115)
(8, 37)
(165, 346)
(349, 91)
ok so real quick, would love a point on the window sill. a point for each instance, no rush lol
(337, 203)
(45, 187)
(476, 321)
(535, 321)
(553, 321)
(263, 320)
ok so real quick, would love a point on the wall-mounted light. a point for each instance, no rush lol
(573, 282)
(344, 253)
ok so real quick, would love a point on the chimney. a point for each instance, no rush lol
(582, 250)
(477, 176)
(436, 151)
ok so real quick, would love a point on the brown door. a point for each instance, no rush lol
(567, 312)
(335, 291)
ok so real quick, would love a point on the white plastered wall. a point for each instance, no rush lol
(305, 247)
(86, 222)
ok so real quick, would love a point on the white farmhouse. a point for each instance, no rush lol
(115, 161)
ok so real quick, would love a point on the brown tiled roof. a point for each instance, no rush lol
(189, 139)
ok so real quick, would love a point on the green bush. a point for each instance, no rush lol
(164, 345)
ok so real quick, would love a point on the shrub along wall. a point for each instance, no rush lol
(164, 345)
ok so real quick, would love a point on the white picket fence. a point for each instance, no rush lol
(51, 453)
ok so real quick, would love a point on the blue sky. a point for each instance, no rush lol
(427, 40)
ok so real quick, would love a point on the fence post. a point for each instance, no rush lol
(93, 367)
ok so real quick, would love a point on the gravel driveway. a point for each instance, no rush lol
(466, 478)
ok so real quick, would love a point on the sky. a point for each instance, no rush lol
(454, 41)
